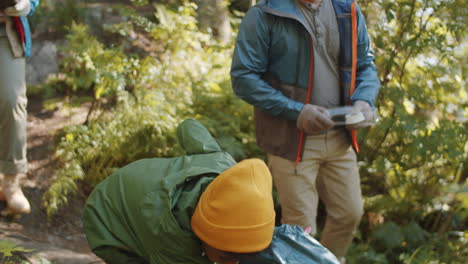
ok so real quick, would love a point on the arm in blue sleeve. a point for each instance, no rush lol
(250, 62)
(367, 81)
(34, 4)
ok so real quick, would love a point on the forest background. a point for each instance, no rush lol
(156, 63)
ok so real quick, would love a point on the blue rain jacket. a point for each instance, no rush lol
(273, 38)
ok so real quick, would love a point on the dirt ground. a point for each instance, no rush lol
(60, 239)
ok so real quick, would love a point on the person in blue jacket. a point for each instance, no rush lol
(15, 45)
(293, 60)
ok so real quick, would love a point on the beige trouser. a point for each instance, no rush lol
(12, 109)
(329, 170)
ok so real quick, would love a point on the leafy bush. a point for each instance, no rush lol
(129, 132)
(92, 67)
(228, 118)
(54, 17)
(12, 253)
(391, 243)
(187, 78)
(419, 149)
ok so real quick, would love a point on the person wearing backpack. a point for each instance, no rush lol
(15, 45)
(293, 60)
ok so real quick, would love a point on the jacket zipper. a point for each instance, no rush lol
(352, 87)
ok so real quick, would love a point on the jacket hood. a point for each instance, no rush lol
(195, 138)
(145, 207)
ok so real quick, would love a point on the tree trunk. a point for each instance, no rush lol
(241, 5)
(213, 15)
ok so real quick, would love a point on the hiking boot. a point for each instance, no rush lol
(13, 195)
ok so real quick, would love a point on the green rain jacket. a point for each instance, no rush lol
(142, 212)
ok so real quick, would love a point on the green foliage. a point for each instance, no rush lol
(56, 17)
(129, 132)
(184, 79)
(414, 235)
(364, 254)
(391, 239)
(228, 118)
(388, 236)
(391, 243)
(11, 253)
(92, 66)
(420, 146)
(8, 248)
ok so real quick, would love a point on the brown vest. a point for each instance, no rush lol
(277, 135)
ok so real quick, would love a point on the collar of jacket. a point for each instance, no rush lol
(283, 8)
(288, 8)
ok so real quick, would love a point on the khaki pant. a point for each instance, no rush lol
(12, 109)
(329, 170)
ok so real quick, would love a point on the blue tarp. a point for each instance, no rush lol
(291, 245)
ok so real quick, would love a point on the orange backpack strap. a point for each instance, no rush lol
(309, 93)
(354, 35)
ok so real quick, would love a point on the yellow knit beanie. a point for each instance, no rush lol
(236, 213)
